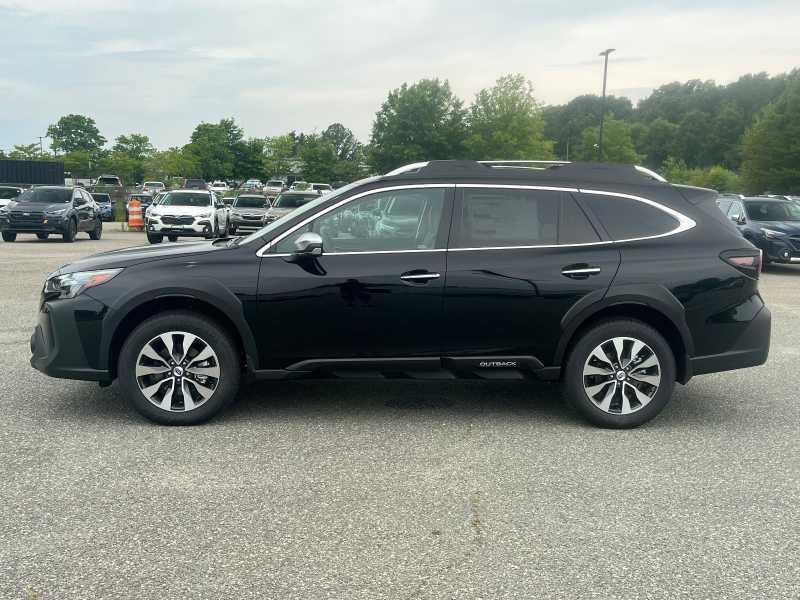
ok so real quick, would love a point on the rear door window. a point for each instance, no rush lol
(628, 219)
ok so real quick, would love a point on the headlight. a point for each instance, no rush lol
(772, 234)
(236, 213)
(72, 284)
(204, 214)
(60, 211)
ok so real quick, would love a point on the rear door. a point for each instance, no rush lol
(519, 258)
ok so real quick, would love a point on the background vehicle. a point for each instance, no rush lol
(286, 203)
(771, 224)
(321, 188)
(195, 184)
(44, 210)
(219, 187)
(181, 213)
(8, 193)
(108, 181)
(247, 212)
(605, 277)
(228, 200)
(300, 186)
(274, 187)
(105, 205)
(153, 187)
(145, 200)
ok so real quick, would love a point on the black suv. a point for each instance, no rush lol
(771, 224)
(604, 277)
(52, 209)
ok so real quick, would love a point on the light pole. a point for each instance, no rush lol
(604, 53)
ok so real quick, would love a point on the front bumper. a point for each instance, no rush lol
(199, 228)
(245, 223)
(781, 250)
(47, 225)
(750, 349)
(66, 340)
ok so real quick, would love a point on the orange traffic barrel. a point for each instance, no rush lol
(135, 214)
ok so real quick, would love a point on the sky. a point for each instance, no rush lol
(160, 67)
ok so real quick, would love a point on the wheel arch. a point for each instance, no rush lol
(647, 311)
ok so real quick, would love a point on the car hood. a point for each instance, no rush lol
(37, 206)
(248, 211)
(279, 212)
(791, 227)
(133, 256)
(179, 210)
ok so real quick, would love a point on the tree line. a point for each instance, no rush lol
(743, 136)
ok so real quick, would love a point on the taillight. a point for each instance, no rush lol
(746, 261)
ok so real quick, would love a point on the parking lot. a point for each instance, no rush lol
(401, 489)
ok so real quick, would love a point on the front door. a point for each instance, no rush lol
(519, 259)
(375, 292)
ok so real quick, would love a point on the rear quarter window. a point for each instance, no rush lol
(625, 218)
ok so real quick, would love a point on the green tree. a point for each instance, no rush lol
(280, 155)
(771, 147)
(211, 145)
(75, 132)
(25, 152)
(136, 146)
(172, 163)
(658, 141)
(344, 142)
(422, 121)
(617, 143)
(248, 156)
(319, 159)
(505, 122)
(566, 124)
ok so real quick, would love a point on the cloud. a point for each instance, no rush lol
(162, 67)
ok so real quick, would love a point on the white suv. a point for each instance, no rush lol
(219, 186)
(194, 213)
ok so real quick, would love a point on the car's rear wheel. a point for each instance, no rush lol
(70, 231)
(9, 236)
(97, 232)
(43, 235)
(155, 238)
(179, 368)
(620, 374)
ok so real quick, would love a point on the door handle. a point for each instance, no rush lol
(579, 271)
(419, 277)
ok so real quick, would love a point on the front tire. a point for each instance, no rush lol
(187, 385)
(9, 236)
(172, 238)
(620, 374)
(97, 232)
(70, 232)
(155, 238)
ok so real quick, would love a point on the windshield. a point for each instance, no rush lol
(293, 200)
(8, 193)
(773, 211)
(183, 199)
(46, 195)
(250, 202)
(321, 186)
(101, 197)
(108, 181)
(155, 184)
(308, 207)
(275, 183)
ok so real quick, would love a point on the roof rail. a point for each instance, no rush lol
(523, 162)
(650, 173)
(406, 168)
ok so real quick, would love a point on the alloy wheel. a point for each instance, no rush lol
(621, 375)
(177, 371)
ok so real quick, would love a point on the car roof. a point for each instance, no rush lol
(296, 192)
(190, 191)
(764, 199)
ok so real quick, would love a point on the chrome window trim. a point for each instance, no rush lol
(684, 222)
(263, 250)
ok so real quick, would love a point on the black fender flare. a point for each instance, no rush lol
(202, 289)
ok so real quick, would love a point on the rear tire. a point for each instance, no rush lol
(97, 232)
(9, 236)
(162, 396)
(616, 391)
(70, 231)
(172, 238)
(155, 238)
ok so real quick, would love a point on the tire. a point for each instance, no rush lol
(43, 235)
(206, 400)
(97, 232)
(155, 238)
(70, 232)
(173, 238)
(9, 236)
(587, 379)
(232, 231)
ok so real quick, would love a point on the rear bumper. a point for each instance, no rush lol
(751, 349)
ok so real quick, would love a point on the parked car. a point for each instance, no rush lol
(108, 181)
(187, 213)
(195, 184)
(219, 187)
(321, 188)
(145, 200)
(286, 203)
(51, 209)
(273, 187)
(8, 193)
(153, 187)
(228, 200)
(603, 277)
(771, 224)
(247, 212)
(105, 204)
(300, 186)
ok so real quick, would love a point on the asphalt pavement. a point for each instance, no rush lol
(452, 489)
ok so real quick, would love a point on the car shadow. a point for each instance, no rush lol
(781, 269)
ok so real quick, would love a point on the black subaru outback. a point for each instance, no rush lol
(606, 278)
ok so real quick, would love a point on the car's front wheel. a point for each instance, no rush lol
(70, 231)
(155, 238)
(179, 368)
(620, 374)
(97, 232)
(9, 236)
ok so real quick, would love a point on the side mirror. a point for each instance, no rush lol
(78, 201)
(308, 244)
(741, 220)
